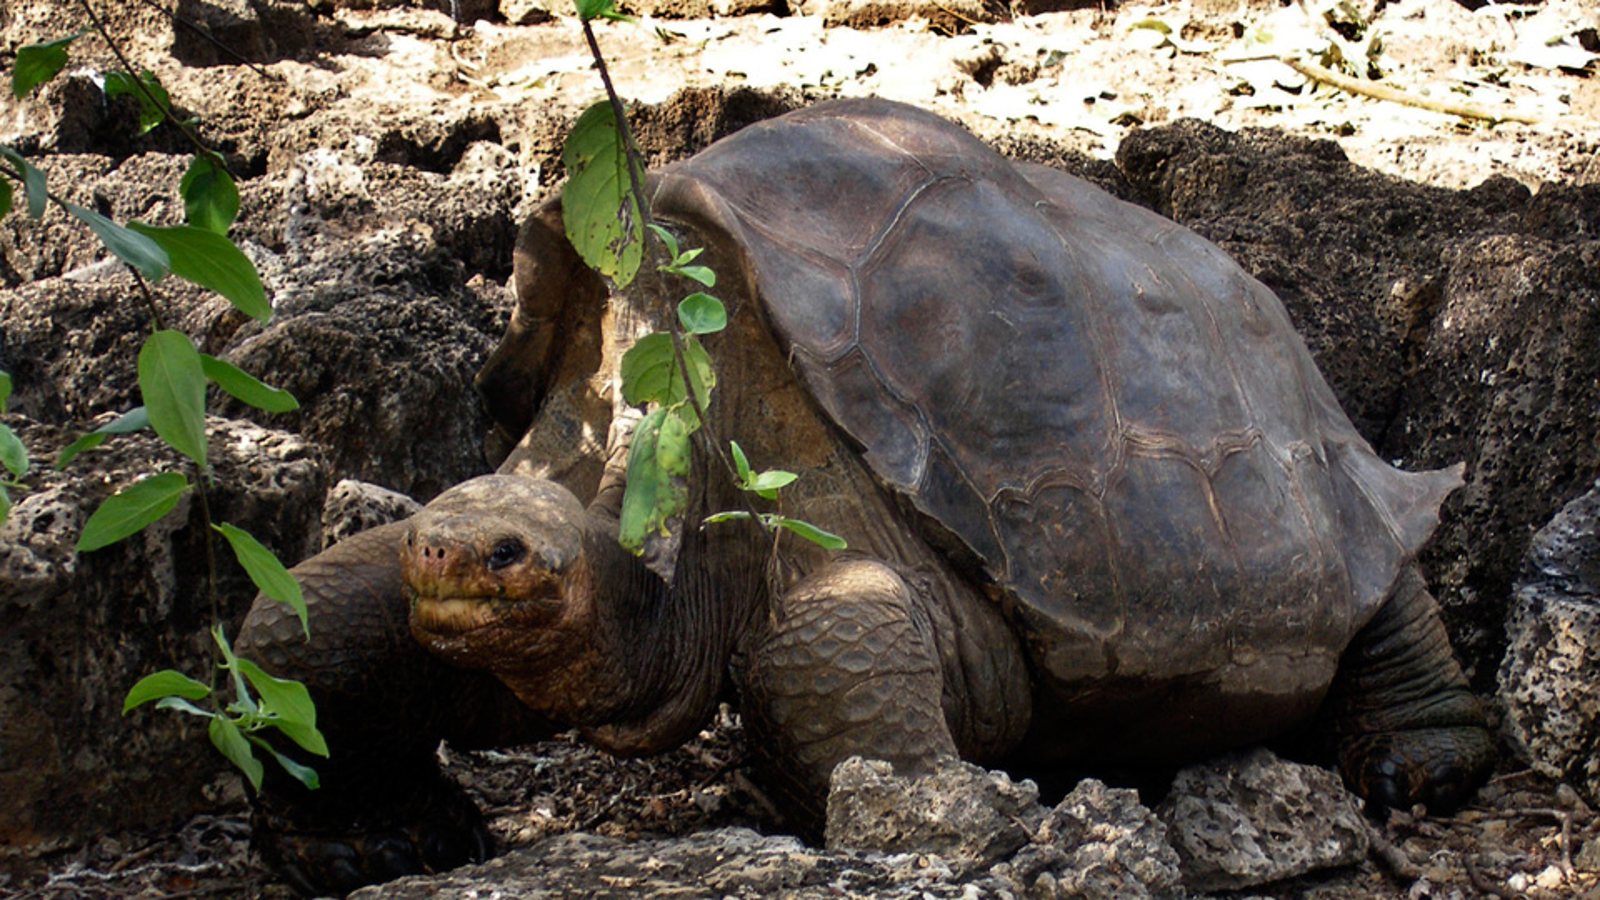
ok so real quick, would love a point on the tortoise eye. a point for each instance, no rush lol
(505, 553)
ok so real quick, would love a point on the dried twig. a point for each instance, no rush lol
(1391, 857)
(1484, 884)
(1372, 89)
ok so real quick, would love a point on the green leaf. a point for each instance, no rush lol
(767, 483)
(210, 198)
(666, 238)
(166, 683)
(179, 704)
(266, 571)
(740, 462)
(825, 539)
(33, 183)
(5, 197)
(213, 262)
(288, 706)
(303, 774)
(701, 274)
(727, 516)
(135, 249)
(5, 390)
(129, 510)
(173, 384)
(650, 373)
(5, 504)
(127, 423)
(658, 478)
(702, 314)
(242, 701)
(227, 738)
(598, 208)
(687, 256)
(153, 99)
(246, 387)
(38, 63)
(599, 9)
(12, 454)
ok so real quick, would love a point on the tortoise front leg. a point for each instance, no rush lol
(383, 809)
(847, 667)
(1408, 727)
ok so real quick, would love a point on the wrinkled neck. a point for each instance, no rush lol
(670, 645)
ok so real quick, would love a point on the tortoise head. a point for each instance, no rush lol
(487, 566)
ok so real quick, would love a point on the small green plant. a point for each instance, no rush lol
(607, 218)
(172, 377)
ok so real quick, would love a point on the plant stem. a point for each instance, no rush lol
(206, 35)
(635, 165)
(138, 82)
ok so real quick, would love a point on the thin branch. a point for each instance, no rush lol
(635, 163)
(1373, 90)
(206, 34)
(166, 111)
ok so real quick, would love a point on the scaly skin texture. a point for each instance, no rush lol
(1102, 509)
(383, 703)
(1408, 728)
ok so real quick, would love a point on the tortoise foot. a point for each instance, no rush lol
(1440, 768)
(321, 847)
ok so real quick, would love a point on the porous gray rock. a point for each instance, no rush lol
(718, 864)
(1550, 678)
(1099, 843)
(78, 629)
(1251, 818)
(354, 506)
(960, 812)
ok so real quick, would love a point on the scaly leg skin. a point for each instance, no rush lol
(1409, 729)
(847, 667)
(383, 703)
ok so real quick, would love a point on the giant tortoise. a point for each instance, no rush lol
(1102, 510)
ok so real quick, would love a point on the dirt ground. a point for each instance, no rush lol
(1085, 78)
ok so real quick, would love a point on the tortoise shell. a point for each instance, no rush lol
(1095, 406)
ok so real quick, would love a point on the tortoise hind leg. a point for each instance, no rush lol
(1409, 729)
(848, 667)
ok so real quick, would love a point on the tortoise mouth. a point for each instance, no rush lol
(458, 615)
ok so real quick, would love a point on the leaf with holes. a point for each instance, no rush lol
(598, 207)
(658, 478)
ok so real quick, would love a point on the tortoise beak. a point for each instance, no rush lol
(460, 583)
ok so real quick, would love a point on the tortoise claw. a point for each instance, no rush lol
(1439, 768)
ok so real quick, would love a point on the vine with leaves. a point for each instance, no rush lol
(607, 217)
(172, 377)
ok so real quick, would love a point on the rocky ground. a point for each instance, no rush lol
(455, 127)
